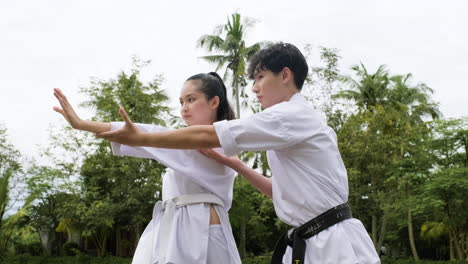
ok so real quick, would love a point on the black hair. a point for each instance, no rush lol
(212, 85)
(277, 56)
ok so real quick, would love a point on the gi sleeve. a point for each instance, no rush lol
(278, 127)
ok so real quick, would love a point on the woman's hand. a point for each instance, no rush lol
(129, 134)
(228, 161)
(66, 110)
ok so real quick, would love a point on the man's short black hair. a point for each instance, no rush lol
(277, 56)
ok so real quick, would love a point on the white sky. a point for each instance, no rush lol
(51, 43)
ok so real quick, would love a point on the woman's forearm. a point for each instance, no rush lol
(260, 182)
(93, 126)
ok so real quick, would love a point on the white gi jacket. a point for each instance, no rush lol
(309, 176)
(189, 172)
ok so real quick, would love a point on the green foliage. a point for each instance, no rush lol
(9, 166)
(9, 169)
(21, 259)
(384, 146)
(119, 192)
(88, 192)
(444, 194)
(324, 81)
(388, 260)
(71, 249)
(403, 170)
(33, 249)
(257, 260)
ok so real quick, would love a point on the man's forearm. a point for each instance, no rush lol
(193, 137)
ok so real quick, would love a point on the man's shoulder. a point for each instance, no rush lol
(289, 108)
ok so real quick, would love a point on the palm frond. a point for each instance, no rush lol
(210, 42)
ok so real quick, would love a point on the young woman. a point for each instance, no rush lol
(191, 223)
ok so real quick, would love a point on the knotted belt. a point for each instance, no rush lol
(169, 206)
(296, 237)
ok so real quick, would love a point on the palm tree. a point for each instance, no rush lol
(393, 94)
(231, 51)
(368, 90)
(414, 100)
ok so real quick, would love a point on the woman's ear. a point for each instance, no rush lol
(214, 102)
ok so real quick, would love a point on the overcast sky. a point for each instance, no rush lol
(47, 44)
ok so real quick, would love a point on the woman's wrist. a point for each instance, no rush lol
(80, 124)
(234, 163)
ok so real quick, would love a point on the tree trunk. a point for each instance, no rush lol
(452, 251)
(382, 232)
(100, 240)
(236, 92)
(411, 236)
(459, 240)
(118, 239)
(242, 246)
(46, 242)
(374, 232)
(137, 237)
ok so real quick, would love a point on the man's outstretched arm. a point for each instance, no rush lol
(193, 137)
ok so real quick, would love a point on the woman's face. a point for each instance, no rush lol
(195, 108)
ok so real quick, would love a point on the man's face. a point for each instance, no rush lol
(267, 86)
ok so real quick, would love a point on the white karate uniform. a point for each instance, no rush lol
(308, 176)
(192, 239)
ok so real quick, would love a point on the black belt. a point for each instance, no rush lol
(296, 237)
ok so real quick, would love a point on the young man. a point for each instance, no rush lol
(309, 186)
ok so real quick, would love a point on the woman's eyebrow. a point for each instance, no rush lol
(185, 96)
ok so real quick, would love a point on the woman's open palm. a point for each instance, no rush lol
(67, 110)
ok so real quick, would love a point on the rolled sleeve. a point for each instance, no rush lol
(125, 150)
(116, 147)
(226, 138)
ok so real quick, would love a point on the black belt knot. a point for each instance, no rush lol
(296, 237)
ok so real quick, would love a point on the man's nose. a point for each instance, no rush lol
(255, 88)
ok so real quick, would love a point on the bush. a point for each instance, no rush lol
(33, 249)
(385, 260)
(257, 260)
(388, 260)
(71, 249)
(81, 259)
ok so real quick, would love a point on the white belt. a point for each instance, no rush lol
(169, 206)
